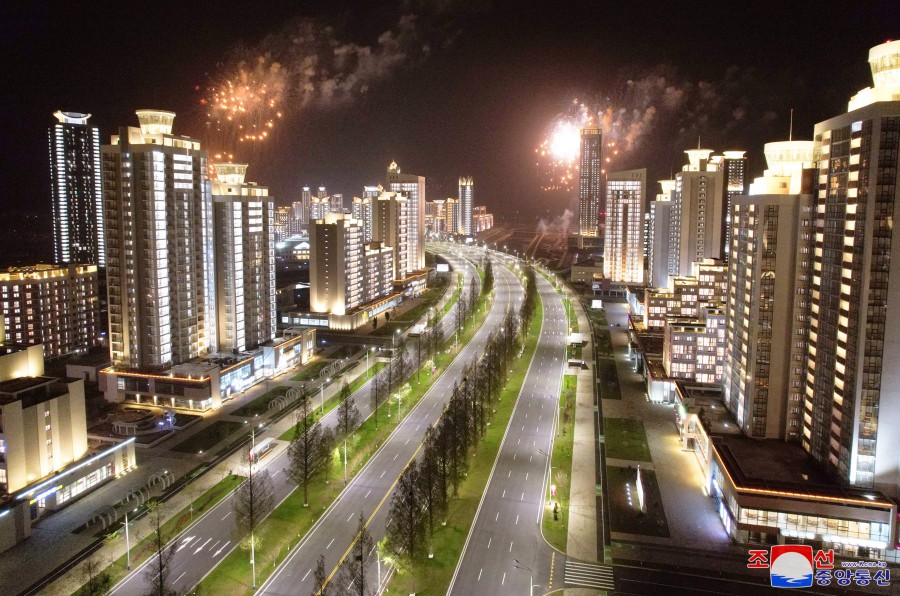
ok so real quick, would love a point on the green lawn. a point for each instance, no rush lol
(288, 524)
(608, 376)
(260, 405)
(432, 576)
(556, 530)
(625, 439)
(209, 437)
(312, 371)
(118, 569)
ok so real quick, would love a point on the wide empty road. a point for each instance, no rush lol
(507, 525)
(368, 494)
(211, 538)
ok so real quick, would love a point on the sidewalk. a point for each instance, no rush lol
(583, 515)
(72, 580)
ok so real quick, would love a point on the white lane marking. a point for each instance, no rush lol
(479, 573)
(329, 544)
(304, 577)
(407, 442)
(489, 541)
(526, 475)
(179, 577)
(367, 494)
(510, 545)
(395, 456)
(227, 514)
(219, 552)
(517, 520)
(202, 547)
(382, 474)
(185, 542)
(514, 456)
(503, 581)
(504, 494)
(509, 474)
(519, 441)
(349, 518)
(497, 516)
(529, 458)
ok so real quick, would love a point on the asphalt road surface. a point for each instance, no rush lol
(369, 492)
(507, 524)
(211, 538)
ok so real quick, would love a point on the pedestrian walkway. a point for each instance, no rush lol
(581, 542)
(585, 575)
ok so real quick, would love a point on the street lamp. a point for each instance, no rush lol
(128, 540)
(322, 393)
(531, 584)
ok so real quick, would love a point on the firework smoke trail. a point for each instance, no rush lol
(304, 64)
(659, 105)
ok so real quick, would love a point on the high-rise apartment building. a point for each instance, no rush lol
(318, 208)
(852, 408)
(305, 196)
(466, 204)
(734, 177)
(75, 189)
(623, 242)
(159, 245)
(337, 203)
(336, 264)
(245, 259)
(695, 224)
(658, 247)
(481, 219)
(768, 303)
(350, 281)
(591, 210)
(362, 210)
(451, 215)
(413, 187)
(390, 227)
(53, 305)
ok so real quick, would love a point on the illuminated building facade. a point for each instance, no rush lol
(466, 204)
(481, 219)
(390, 227)
(658, 245)
(245, 259)
(413, 187)
(344, 270)
(852, 407)
(734, 177)
(56, 306)
(768, 306)
(78, 229)
(159, 245)
(591, 210)
(362, 211)
(623, 242)
(695, 224)
(451, 215)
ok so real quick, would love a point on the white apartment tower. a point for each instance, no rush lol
(466, 203)
(623, 242)
(76, 191)
(362, 211)
(390, 227)
(336, 264)
(159, 245)
(658, 246)
(768, 302)
(695, 225)
(245, 259)
(852, 405)
(413, 187)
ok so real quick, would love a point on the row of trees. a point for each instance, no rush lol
(426, 486)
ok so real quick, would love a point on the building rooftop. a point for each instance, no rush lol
(32, 390)
(774, 465)
(705, 400)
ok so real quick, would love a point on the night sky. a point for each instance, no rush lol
(467, 88)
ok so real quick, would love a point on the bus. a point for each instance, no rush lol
(262, 449)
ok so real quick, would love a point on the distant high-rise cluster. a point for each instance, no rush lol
(458, 216)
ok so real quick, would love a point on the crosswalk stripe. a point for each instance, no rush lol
(589, 576)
